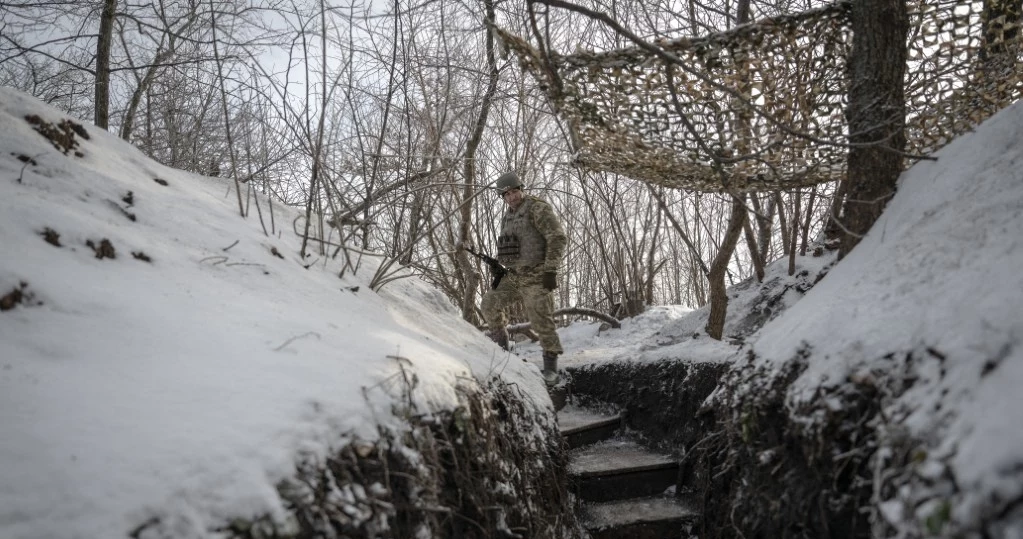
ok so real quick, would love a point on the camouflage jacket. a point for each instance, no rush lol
(536, 233)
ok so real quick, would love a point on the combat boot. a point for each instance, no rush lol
(500, 336)
(550, 368)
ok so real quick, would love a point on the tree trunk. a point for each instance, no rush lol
(128, 123)
(568, 311)
(807, 215)
(876, 113)
(783, 226)
(718, 291)
(227, 125)
(101, 115)
(744, 118)
(765, 220)
(754, 251)
(469, 189)
(652, 265)
(794, 237)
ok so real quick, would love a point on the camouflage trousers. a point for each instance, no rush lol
(524, 286)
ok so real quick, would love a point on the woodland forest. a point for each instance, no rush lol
(386, 122)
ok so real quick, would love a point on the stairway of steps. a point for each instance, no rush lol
(623, 490)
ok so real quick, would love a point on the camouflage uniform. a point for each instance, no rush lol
(532, 242)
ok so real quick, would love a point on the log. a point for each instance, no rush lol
(580, 311)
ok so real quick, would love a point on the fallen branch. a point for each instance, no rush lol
(579, 311)
(295, 338)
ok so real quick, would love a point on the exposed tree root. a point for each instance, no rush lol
(484, 470)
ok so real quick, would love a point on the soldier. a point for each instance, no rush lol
(531, 246)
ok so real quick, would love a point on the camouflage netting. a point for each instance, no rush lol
(702, 133)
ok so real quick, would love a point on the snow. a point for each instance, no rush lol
(185, 388)
(936, 285)
(644, 338)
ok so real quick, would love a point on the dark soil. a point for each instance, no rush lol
(660, 400)
(477, 472)
(104, 249)
(61, 135)
(748, 463)
(19, 295)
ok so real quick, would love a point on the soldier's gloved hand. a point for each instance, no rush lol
(550, 280)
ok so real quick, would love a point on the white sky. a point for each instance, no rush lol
(186, 388)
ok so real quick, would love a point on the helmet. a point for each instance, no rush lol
(507, 182)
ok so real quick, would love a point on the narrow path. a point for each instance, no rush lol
(623, 490)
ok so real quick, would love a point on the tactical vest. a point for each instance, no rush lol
(521, 245)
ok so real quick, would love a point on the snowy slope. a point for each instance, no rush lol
(184, 387)
(934, 295)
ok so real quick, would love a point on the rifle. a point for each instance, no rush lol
(497, 271)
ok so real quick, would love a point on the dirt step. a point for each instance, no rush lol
(580, 426)
(638, 518)
(619, 469)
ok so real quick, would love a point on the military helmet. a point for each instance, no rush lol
(507, 182)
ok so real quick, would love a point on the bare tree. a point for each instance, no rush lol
(876, 114)
(468, 191)
(384, 123)
(106, 31)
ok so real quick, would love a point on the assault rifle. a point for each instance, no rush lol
(497, 271)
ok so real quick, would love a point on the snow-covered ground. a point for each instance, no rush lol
(185, 387)
(933, 296)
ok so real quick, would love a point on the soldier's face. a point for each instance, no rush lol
(513, 197)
